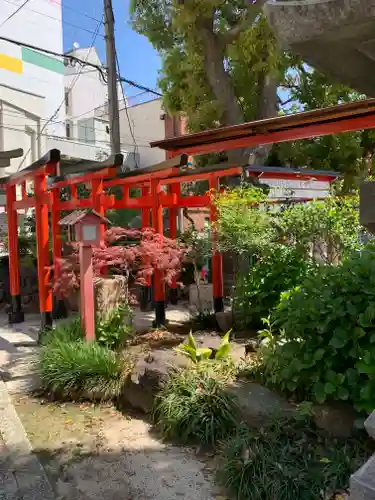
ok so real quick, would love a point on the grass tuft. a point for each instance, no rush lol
(194, 406)
(289, 459)
(82, 370)
(68, 330)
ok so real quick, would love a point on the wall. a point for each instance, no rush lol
(89, 91)
(148, 126)
(31, 83)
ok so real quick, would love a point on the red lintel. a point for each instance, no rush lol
(136, 180)
(26, 175)
(298, 132)
(80, 179)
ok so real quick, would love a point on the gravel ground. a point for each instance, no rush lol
(95, 453)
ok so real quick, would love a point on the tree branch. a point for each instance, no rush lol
(253, 10)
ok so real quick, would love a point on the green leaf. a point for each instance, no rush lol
(191, 341)
(338, 342)
(319, 354)
(188, 351)
(343, 393)
(203, 353)
(319, 392)
(223, 351)
(329, 388)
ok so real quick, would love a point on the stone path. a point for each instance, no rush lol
(123, 460)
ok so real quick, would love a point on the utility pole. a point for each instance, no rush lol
(114, 120)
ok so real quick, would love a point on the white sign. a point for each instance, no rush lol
(296, 188)
(89, 232)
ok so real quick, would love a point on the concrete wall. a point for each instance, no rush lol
(148, 126)
(89, 91)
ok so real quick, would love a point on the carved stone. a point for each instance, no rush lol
(336, 36)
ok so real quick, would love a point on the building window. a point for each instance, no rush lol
(69, 130)
(67, 101)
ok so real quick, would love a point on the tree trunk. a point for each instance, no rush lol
(266, 108)
(223, 90)
(219, 80)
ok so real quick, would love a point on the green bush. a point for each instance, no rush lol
(279, 270)
(82, 370)
(288, 460)
(69, 330)
(326, 348)
(114, 328)
(111, 330)
(194, 405)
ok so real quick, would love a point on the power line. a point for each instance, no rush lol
(74, 10)
(101, 69)
(51, 17)
(131, 126)
(75, 141)
(69, 90)
(14, 13)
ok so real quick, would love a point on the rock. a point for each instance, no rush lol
(251, 346)
(370, 425)
(259, 404)
(148, 377)
(224, 321)
(110, 293)
(362, 482)
(335, 418)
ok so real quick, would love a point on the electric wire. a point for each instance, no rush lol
(98, 144)
(131, 125)
(54, 18)
(14, 13)
(69, 90)
(68, 56)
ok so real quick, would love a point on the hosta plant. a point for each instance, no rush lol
(197, 354)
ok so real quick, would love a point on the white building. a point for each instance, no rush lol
(85, 97)
(46, 102)
(148, 123)
(31, 83)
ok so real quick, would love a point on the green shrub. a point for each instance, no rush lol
(326, 349)
(69, 330)
(82, 369)
(289, 460)
(114, 328)
(279, 270)
(197, 354)
(194, 405)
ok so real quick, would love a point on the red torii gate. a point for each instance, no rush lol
(171, 173)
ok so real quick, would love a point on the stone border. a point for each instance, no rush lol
(31, 478)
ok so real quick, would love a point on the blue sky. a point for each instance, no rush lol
(138, 60)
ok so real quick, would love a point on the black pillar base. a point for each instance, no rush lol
(160, 319)
(45, 321)
(218, 304)
(145, 298)
(15, 313)
(173, 296)
(60, 310)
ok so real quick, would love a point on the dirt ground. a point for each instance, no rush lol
(95, 453)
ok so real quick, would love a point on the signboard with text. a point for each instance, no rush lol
(297, 188)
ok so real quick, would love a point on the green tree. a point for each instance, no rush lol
(223, 66)
(221, 63)
(349, 153)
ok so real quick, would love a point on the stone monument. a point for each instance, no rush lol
(335, 36)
